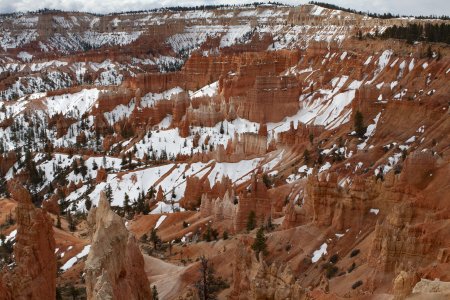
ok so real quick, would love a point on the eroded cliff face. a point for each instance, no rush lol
(232, 210)
(115, 266)
(337, 143)
(33, 275)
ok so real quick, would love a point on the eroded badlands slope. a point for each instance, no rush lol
(208, 120)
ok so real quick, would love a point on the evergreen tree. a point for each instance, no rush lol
(88, 203)
(58, 222)
(251, 221)
(124, 162)
(208, 285)
(82, 167)
(306, 156)
(155, 293)
(71, 221)
(359, 124)
(108, 193)
(259, 245)
(429, 52)
(154, 238)
(126, 204)
(75, 169)
(207, 234)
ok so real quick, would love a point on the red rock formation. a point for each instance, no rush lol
(195, 187)
(160, 195)
(51, 205)
(257, 200)
(403, 284)
(232, 211)
(268, 92)
(115, 266)
(257, 280)
(299, 135)
(34, 275)
(101, 175)
(6, 162)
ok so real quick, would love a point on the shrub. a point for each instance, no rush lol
(334, 259)
(354, 252)
(357, 284)
(352, 267)
(331, 270)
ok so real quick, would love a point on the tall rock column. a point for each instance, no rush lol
(115, 266)
(34, 276)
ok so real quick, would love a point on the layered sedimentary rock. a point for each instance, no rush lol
(256, 280)
(403, 284)
(195, 187)
(233, 212)
(268, 92)
(299, 135)
(34, 274)
(256, 199)
(115, 266)
(431, 289)
(327, 204)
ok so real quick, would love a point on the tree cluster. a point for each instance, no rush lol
(433, 33)
(374, 15)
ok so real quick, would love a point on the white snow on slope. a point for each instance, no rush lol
(69, 264)
(318, 253)
(74, 105)
(160, 220)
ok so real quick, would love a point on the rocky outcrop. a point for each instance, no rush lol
(256, 199)
(431, 289)
(115, 266)
(268, 91)
(300, 135)
(51, 205)
(254, 279)
(403, 284)
(233, 211)
(328, 204)
(34, 274)
(276, 282)
(195, 187)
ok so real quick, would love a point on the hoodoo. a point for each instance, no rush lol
(253, 151)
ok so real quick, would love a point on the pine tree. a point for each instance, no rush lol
(75, 169)
(207, 234)
(71, 221)
(259, 245)
(83, 168)
(88, 203)
(155, 293)
(208, 285)
(359, 124)
(58, 222)
(251, 221)
(108, 193)
(124, 161)
(126, 204)
(306, 156)
(154, 238)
